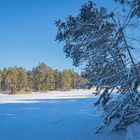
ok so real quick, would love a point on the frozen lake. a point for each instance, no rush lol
(51, 116)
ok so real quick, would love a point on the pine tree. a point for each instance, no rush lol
(134, 7)
(95, 40)
(0, 79)
(50, 79)
(9, 82)
(39, 74)
(58, 80)
(30, 80)
(66, 80)
(41, 78)
(21, 79)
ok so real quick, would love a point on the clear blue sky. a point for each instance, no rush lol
(27, 31)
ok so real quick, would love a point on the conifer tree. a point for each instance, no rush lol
(58, 80)
(30, 80)
(0, 79)
(39, 74)
(21, 79)
(50, 79)
(66, 80)
(41, 78)
(96, 40)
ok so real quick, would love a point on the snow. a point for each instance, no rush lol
(55, 116)
(36, 96)
(133, 132)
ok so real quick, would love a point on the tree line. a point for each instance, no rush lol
(41, 78)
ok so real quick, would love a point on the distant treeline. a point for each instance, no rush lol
(41, 78)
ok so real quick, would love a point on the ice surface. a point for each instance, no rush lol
(54, 116)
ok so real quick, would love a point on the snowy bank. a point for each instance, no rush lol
(27, 98)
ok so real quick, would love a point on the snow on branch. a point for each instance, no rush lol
(96, 40)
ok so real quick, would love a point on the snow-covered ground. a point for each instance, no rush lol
(36, 97)
(54, 116)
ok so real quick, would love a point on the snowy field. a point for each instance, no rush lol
(55, 116)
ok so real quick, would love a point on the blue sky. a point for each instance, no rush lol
(27, 31)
